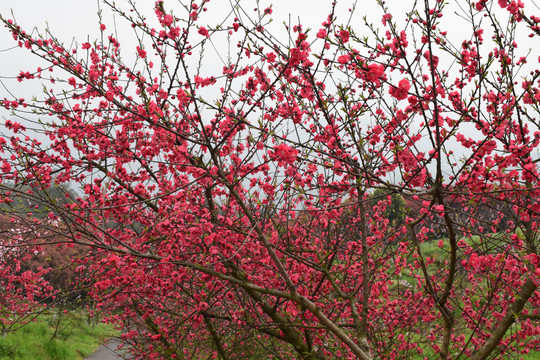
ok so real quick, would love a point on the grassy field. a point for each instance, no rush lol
(440, 254)
(55, 336)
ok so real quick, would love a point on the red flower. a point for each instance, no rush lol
(480, 5)
(385, 18)
(168, 20)
(6, 167)
(271, 57)
(298, 56)
(174, 33)
(375, 72)
(322, 34)
(203, 31)
(141, 52)
(343, 59)
(344, 35)
(400, 92)
(285, 153)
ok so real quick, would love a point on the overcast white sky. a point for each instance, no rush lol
(78, 19)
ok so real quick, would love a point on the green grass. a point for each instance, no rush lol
(55, 336)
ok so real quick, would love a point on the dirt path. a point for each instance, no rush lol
(108, 351)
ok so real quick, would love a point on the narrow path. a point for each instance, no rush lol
(108, 351)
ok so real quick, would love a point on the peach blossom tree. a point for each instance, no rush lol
(239, 210)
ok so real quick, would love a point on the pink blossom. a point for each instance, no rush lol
(439, 209)
(203, 31)
(285, 153)
(174, 33)
(168, 20)
(322, 33)
(298, 56)
(400, 92)
(343, 59)
(141, 52)
(271, 57)
(6, 167)
(202, 82)
(375, 72)
(514, 7)
(344, 35)
(480, 5)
